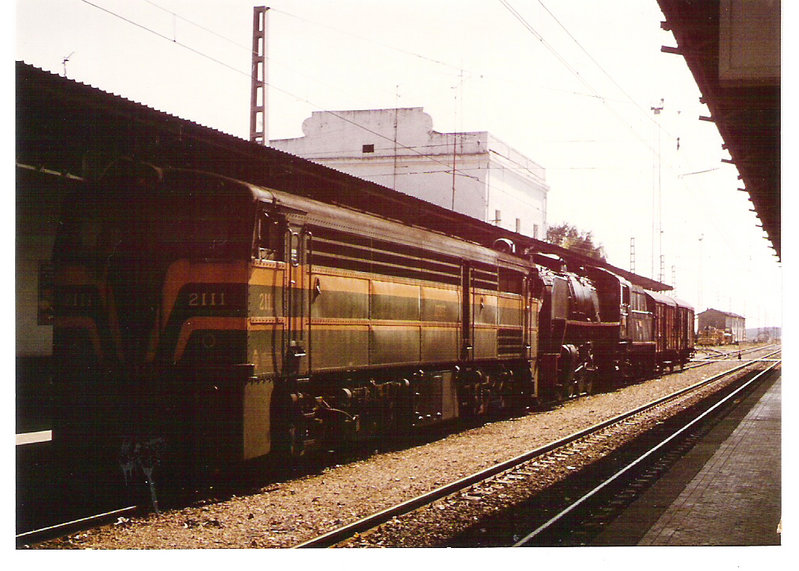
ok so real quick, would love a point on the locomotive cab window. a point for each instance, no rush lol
(269, 238)
(625, 299)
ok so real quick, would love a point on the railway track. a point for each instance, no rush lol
(576, 522)
(500, 478)
(723, 356)
(61, 529)
(473, 493)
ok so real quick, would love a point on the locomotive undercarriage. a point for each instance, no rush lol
(623, 364)
(576, 371)
(332, 411)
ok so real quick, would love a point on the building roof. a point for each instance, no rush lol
(719, 312)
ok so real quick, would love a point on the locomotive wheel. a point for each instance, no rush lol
(574, 387)
(627, 371)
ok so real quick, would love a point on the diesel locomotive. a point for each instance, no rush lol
(226, 322)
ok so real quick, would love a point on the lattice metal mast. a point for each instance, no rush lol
(258, 94)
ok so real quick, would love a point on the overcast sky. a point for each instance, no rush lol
(569, 83)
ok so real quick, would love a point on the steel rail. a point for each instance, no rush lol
(60, 529)
(340, 534)
(549, 523)
(727, 357)
(734, 352)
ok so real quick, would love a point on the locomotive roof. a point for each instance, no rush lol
(348, 219)
(345, 218)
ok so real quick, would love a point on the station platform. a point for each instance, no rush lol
(725, 492)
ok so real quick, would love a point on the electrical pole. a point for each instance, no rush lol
(459, 91)
(454, 154)
(701, 264)
(258, 93)
(656, 203)
(396, 134)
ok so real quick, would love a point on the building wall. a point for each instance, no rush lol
(398, 148)
(736, 324)
(517, 191)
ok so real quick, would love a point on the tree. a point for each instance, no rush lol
(569, 237)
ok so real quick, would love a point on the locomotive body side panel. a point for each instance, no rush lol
(484, 323)
(440, 313)
(339, 320)
(395, 330)
(266, 319)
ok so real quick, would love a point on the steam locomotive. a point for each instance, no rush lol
(226, 322)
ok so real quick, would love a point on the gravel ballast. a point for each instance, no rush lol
(288, 513)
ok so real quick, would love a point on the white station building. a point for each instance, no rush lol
(399, 149)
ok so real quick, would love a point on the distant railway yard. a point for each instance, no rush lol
(440, 477)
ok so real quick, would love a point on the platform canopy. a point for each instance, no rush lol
(732, 48)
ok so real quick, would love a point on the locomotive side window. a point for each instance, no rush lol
(269, 238)
(295, 244)
(625, 299)
(638, 302)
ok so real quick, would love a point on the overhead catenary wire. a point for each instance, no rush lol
(248, 74)
(397, 49)
(644, 112)
(516, 14)
(455, 67)
(593, 93)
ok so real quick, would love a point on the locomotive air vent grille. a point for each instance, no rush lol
(337, 249)
(509, 342)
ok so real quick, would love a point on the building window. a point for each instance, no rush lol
(368, 149)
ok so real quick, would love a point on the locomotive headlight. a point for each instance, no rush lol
(209, 340)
